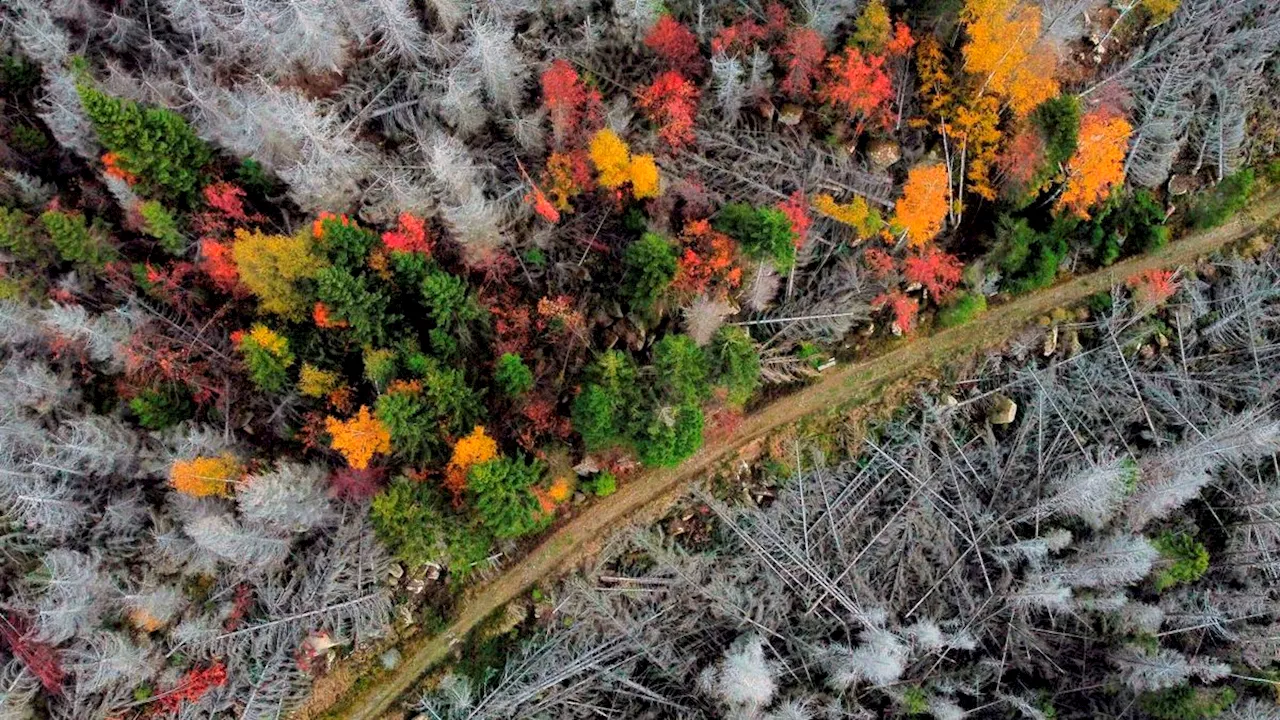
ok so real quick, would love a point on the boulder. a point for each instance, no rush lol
(1003, 410)
(882, 153)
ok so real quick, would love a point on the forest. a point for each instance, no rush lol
(316, 315)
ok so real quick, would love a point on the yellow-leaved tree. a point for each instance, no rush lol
(612, 158)
(1007, 54)
(271, 266)
(922, 208)
(206, 476)
(359, 438)
(1098, 164)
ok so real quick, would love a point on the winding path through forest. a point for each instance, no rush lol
(837, 388)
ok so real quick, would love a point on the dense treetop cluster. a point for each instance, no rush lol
(294, 287)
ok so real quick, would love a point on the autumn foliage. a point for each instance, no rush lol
(675, 45)
(1006, 53)
(571, 105)
(1098, 164)
(359, 438)
(858, 85)
(936, 271)
(473, 449)
(1152, 288)
(801, 56)
(206, 476)
(670, 103)
(902, 308)
(922, 208)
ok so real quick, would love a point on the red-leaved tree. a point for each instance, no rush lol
(858, 85)
(676, 45)
(937, 271)
(902, 307)
(671, 103)
(40, 659)
(573, 107)
(801, 55)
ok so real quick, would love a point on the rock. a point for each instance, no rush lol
(1162, 341)
(404, 615)
(1073, 343)
(948, 400)
(432, 572)
(390, 659)
(396, 570)
(588, 466)
(790, 115)
(883, 153)
(1051, 342)
(579, 498)
(416, 586)
(1003, 410)
(1183, 185)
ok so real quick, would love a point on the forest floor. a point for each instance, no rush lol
(650, 493)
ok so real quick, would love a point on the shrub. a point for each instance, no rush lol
(1272, 172)
(409, 519)
(1135, 220)
(962, 310)
(512, 376)
(603, 484)
(762, 233)
(19, 237)
(1217, 205)
(449, 300)
(1058, 120)
(1186, 703)
(75, 241)
(681, 368)
(735, 364)
(351, 299)
(649, 265)
(163, 406)
(267, 356)
(501, 493)
(605, 409)
(1188, 557)
(671, 435)
(154, 144)
(159, 224)
(345, 243)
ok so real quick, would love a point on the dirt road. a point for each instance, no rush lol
(837, 388)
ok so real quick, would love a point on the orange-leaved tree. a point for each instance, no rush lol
(922, 208)
(1098, 164)
(1007, 54)
(206, 476)
(470, 450)
(359, 438)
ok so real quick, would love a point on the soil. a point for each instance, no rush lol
(648, 494)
